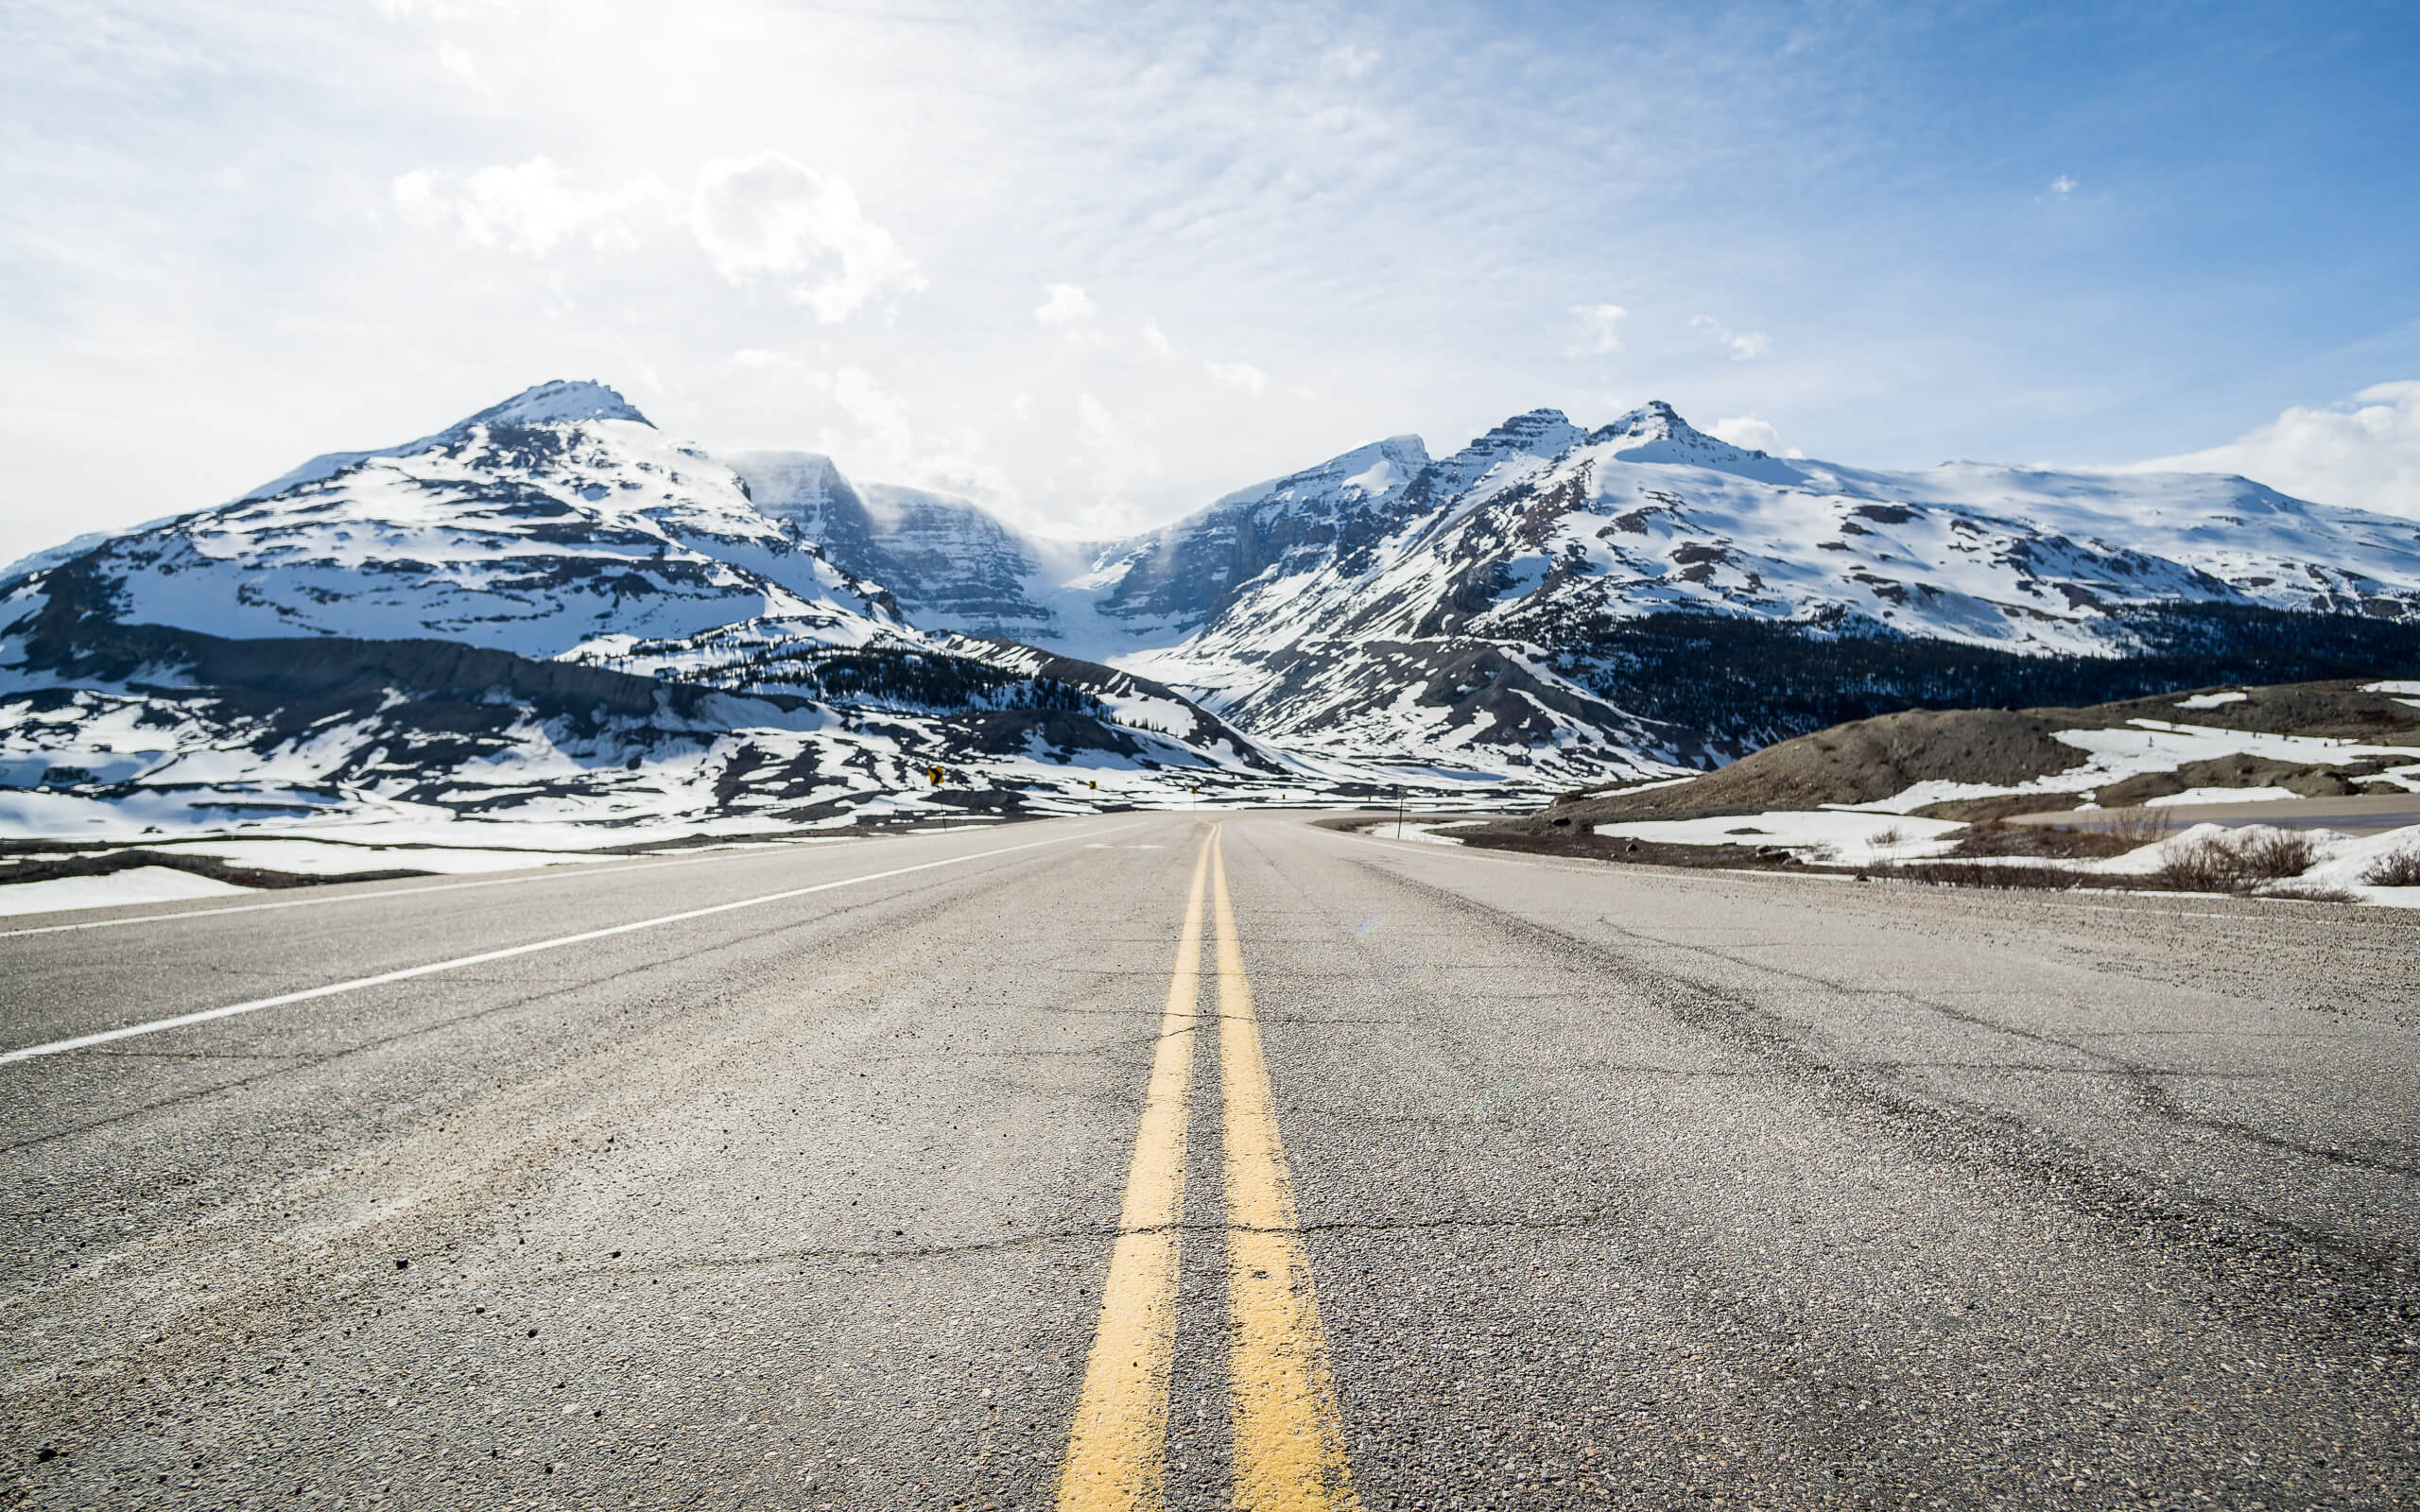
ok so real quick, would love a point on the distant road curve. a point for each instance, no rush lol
(2364, 813)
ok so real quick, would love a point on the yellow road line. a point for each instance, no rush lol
(1117, 1449)
(1290, 1453)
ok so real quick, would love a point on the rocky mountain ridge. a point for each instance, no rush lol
(1519, 601)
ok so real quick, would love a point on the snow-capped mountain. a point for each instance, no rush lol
(1504, 606)
(548, 610)
(1538, 525)
(421, 624)
(556, 522)
(1162, 586)
(1551, 545)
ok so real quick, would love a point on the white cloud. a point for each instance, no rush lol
(1156, 338)
(770, 216)
(1754, 435)
(2063, 186)
(1119, 460)
(446, 10)
(462, 65)
(879, 412)
(760, 357)
(531, 208)
(1349, 62)
(1095, 425)
(887, 446)
(1065, 304)
(1600, 327)
(1215, 175)
(764, 217)
(1242, 377)
(2364, 453)
(1744, 346)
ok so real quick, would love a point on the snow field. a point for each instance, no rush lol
(137, 884)
(1850, 837)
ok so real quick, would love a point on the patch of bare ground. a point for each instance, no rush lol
(2032, 879)
(1868, 761)
(1983, 810)
(1508, 833)
(47, 869)
(1993, 838)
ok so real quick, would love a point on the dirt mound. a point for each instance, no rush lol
(1868, 760)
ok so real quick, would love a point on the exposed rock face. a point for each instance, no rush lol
(951, 565)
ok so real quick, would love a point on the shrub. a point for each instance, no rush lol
(1948, 874)
(2396, 868)
(2232, 863)
(2311, 895)
(2206, 865)
(2277, 853)
(2138, 826)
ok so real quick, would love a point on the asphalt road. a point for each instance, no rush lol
(1442, 1179)
(2361, 813)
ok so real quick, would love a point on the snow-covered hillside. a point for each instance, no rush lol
(143, 731)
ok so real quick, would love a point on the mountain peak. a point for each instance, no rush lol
(1538, 432)
(1533, 422)
(556, 402)
(1654, 420)
(1654, 431)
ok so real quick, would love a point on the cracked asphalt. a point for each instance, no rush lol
(1620, 1186)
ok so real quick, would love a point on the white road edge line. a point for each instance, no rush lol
(544, 874)
(180, 1021)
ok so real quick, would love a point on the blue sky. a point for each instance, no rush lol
(1095, 264)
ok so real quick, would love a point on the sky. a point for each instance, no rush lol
(1095, 264)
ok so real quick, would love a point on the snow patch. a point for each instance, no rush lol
(321, 858)
(1848, 836)
(137, 884)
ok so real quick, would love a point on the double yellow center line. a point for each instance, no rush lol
(1289, 1438)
